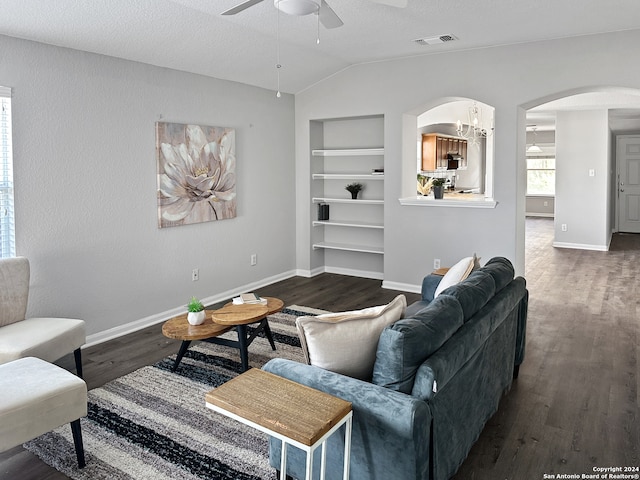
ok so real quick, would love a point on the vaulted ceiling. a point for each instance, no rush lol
(193, 36)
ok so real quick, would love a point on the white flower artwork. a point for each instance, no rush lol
(196, 173)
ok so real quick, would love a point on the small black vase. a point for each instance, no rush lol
(354, 195)
(438, 191)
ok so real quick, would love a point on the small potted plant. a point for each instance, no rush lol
(354, 188)
(196, 312)
(438, 187)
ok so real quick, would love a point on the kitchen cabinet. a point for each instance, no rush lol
(435, 148)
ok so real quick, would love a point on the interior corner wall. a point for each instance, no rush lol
(582, 200)
(403, 88)
(85, 185)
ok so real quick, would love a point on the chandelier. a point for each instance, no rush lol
(475, 129)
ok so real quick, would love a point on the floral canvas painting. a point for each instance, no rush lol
(196, 173)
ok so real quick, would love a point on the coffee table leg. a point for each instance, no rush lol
(267, 332)
(242, 344)
(183, 349)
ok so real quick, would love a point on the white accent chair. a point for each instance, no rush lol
(36, 397)
(46, 338)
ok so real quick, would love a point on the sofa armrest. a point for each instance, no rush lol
(366, 398)
(429, 285)
(391, 430)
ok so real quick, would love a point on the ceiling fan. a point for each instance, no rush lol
(327, 16)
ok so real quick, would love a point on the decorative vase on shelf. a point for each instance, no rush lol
(196, 318)
(354, 189)
(438, 191)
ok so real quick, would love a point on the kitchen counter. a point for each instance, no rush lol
(451, 199)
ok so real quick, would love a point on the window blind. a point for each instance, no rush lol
(7, 223)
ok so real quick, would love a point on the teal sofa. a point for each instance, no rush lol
(439, 375)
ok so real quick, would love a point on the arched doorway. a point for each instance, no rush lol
(584, 124)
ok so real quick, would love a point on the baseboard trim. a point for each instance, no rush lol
(581, 246)
(402, 287)
(309, 273)
(131, 327)
(534, 214)
(354, 273)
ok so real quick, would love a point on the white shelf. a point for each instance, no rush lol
(348, 152)
(349, 247)
(347, 223)
(347, 176)
(348, 200)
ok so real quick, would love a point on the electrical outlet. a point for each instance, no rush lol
(436, 263)
(254, 259)
(195, 275)
(564, 227)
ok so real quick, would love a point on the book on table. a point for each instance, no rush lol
(249, 298)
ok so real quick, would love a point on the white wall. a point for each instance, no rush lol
(582, 201)
(502, 77)
(85, 183)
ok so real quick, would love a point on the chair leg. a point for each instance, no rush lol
(77, 442)
(78, 356)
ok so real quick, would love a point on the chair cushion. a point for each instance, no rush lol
(35, 398)
(46, 338)
(346, 342)
(407, 343)
(14, 289)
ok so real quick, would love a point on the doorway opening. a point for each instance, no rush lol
(583, 152)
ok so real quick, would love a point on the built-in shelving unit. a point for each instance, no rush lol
(349, 248)
(353, 223)
(347, 152)
(352, 239)
(346, 176)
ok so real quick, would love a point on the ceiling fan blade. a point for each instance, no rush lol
(328, 17)
(392, 3)
(241, 7)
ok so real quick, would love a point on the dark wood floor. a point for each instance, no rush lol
(575, 404)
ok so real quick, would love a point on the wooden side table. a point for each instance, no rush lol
(295, 414)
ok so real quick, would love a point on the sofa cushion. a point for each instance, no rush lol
(473, 293)
(501, 270)
(346, 342)
(458, 273)
(407, 343)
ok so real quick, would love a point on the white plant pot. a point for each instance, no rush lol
(196, 318)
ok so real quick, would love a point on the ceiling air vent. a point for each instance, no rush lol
(435, 40)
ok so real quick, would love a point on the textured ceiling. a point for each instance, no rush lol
(191, 35)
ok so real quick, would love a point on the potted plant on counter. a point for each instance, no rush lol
(354, 188)
(196, 312)
(438, 187)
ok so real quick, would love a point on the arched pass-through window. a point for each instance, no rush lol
(454, 142)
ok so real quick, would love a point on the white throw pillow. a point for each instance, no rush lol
(457, 273)
(346, 342)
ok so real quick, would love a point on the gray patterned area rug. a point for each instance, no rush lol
(153, 424)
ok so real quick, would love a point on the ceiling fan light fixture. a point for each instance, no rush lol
(297, 7)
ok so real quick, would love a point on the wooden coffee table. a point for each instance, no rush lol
(221, 321)
(293, 413)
